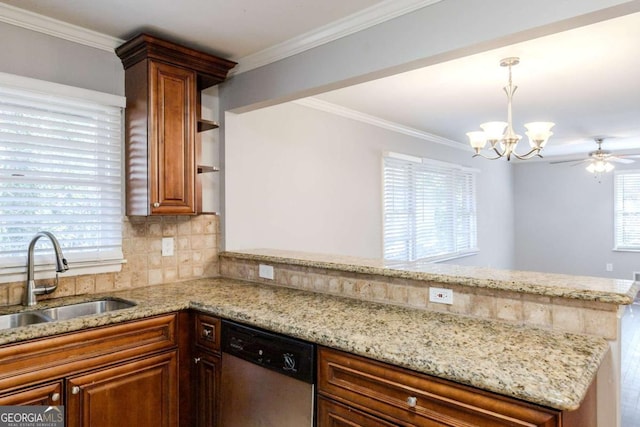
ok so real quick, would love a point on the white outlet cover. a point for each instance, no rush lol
(265, 271)
(441, 295)
(167, 246)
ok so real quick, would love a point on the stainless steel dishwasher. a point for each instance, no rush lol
(267, 379)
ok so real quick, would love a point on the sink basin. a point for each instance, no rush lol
(16, 320)
(71, 311)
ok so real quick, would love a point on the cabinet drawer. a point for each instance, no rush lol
(333, 414)
(43, 359)
(43, 395)
(394, 393)
(208, 332)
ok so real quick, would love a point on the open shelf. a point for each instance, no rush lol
(204, 125)
(207, 169)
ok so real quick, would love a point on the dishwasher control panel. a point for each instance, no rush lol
(288, 356)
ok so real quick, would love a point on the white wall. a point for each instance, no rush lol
(443, 31)
(302, 179)
(564, 222)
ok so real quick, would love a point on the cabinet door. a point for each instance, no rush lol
(140, 393)
(207, 386)
(49, 394)
(172, 127)
(332, 414)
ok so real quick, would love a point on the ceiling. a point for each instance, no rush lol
(585, 80)
(230, 28)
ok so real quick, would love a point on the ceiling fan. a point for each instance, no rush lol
(600, 160)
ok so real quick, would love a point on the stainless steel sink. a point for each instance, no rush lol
(16, 320)
(63, 312)
(71, 311)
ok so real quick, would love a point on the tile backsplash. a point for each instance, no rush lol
(195, 255)
(561, 314)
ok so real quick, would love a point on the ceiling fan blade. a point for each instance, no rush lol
(620, 160)
(565, 161)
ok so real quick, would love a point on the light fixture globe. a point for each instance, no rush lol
(477, 139)
(503, 133)
(494, 131)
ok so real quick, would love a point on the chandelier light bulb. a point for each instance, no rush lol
(494, 131)
(539, 133)
(477, 139)
(600, 166)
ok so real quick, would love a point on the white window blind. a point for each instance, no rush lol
(429, 209)
(627, 210)
(60, 171)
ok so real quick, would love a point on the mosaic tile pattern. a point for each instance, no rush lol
(612, 291)
(195, 256)
(507, 304)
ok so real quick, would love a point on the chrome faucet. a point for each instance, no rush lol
(61, 266)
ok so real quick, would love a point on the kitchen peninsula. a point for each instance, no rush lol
(539, 302)
(387, 318)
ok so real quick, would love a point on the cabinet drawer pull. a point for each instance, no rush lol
(196, 360)
(55, 397)
(75, 389)
(412, 401)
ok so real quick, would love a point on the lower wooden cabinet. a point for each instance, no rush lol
(207, 388)
(140, 393)
(124, 375)
(206, 377)
(355, 391)
(333, 414)
(45, 394)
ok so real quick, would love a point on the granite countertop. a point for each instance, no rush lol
(613, 291)
(540, 366)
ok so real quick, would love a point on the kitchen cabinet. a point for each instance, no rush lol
(163, 82)
(355, 391)
(138, 393)
(113, 376)
(207, 370)
(49, 394)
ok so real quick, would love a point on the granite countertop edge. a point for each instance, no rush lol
(528, 282)
(539, 366)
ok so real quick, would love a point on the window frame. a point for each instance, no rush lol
(16, 270)
(455, 173)
(618, 212)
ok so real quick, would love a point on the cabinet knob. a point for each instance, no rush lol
(156, 205)
(412, 401)
(207, 332)
(55, 397)
(75, 389)
(196, 360)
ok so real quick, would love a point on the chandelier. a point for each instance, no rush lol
(501, 136)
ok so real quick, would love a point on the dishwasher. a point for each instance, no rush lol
(267, 379)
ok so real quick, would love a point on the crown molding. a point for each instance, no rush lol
(353, 23)
(53, 27)
(339, 110)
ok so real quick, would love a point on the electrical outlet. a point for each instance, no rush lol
(441, 295)
(609, 267)
(167, 246)
(265, 271)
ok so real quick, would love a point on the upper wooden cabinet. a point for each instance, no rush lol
(163, 82)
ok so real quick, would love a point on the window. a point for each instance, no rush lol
(627, 210)
(60, 171)
(429, 209)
